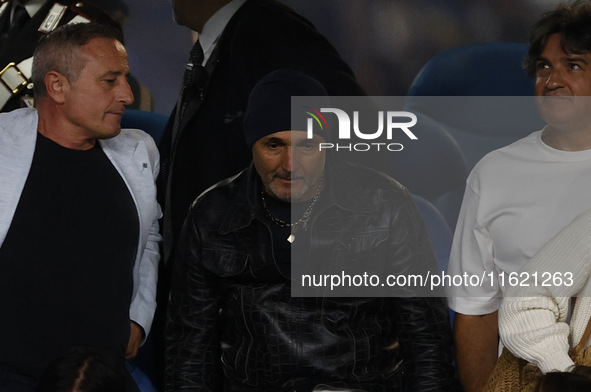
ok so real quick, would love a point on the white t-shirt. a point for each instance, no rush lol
(517, 198)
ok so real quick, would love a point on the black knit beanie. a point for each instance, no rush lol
(269, 103)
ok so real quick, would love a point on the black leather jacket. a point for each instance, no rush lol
(233, 325)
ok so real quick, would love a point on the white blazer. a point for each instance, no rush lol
(134, 155)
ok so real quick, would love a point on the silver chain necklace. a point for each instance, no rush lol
(303, 221)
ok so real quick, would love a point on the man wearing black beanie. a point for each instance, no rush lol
(233, 322)
(240, 41)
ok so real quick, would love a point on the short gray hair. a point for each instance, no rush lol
(60, 51)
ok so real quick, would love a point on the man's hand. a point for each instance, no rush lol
(135, 340)
(477, 344)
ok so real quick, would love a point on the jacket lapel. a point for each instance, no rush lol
(121, 152)
(194, 105)
(131, 160)
(17, 147)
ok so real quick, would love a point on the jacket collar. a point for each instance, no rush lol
(341, 191)
(18, 134)
(244, 206)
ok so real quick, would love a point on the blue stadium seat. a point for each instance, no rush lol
(438, 230)
(141, 379)
(150, 122)
(469, 101)
(492, 69)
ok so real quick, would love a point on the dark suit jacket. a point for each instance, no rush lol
(262, 36)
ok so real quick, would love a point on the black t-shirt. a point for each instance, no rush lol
(66, 265)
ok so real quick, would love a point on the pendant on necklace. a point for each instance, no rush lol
(291, 238)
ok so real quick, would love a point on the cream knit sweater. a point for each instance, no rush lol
(533, 319)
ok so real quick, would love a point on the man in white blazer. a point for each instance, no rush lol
(78, 212)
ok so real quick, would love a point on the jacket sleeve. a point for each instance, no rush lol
(533, 316)
(143, 304)
(422, 321)
(192, 330)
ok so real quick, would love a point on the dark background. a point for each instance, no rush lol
(386, 42)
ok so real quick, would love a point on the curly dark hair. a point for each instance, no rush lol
(86, 369)
(571, 20)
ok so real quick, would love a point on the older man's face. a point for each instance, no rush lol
(95, 102)
(289, 164)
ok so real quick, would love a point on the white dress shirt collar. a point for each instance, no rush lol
(33, 6)
(215, 26)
